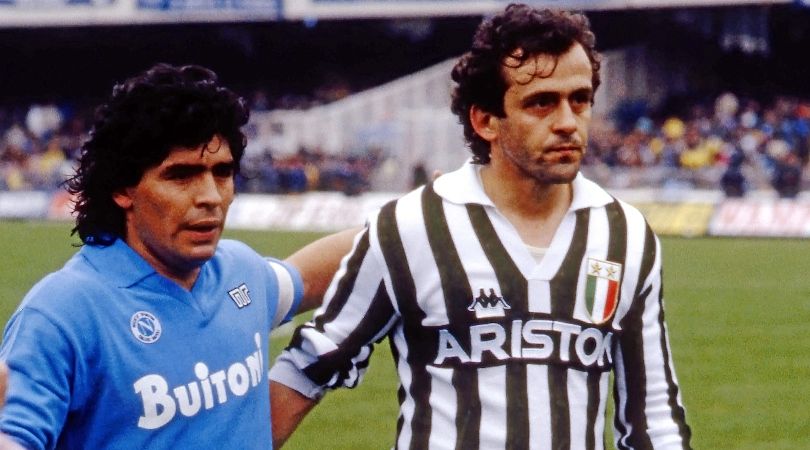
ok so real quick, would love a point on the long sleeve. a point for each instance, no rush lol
(333, 349)
(649, 410)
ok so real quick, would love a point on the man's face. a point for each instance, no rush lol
(547, 112)
(176, 212)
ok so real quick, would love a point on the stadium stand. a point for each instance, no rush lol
(363, 141)
(358, 105)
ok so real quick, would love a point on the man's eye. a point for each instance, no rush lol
(545, 101)
(581, 98)
(223, 171)
(179, 174)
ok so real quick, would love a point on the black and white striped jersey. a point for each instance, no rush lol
(493, 349)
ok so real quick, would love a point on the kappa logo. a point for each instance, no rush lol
(240, 295)
(602, 289)
(491, 305)
(145, 327)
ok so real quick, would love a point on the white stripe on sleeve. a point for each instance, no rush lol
(286, 291)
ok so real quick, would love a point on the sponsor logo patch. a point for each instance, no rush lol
(240, 296)
(488, 305)
(602, 289)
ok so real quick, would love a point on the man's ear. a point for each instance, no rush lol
(122, 198)
(484, 123)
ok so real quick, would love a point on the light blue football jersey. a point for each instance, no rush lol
(107, 353)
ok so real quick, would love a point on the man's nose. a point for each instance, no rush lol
(565, 121)
(208, 190)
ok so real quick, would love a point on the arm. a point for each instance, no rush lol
(288, 409)
(40, 369)
(649, 410)
(318, 261)
(3, 383)
(332, 350)
(5, 442)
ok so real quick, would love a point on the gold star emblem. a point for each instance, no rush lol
(596, 268)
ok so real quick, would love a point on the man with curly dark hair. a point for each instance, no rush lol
(512, 288)
(154, 334)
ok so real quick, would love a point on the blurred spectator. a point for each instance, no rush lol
(733, 180)
(48, 167)
(43, 120)
(259, 101)
(419, 175)
(787, 170)
(698, 152)
(730, 142)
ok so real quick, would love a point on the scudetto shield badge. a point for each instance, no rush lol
(602, 289)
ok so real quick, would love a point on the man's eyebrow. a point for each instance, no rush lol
(583, 90)
(546, 95)
(183, 169)
(196, 166)
(555, 94)
(184, 166)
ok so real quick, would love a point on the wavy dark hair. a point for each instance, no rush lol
(478, 73)
(143, 120)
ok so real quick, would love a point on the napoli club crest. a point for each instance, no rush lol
(145, 327)
(602, 289)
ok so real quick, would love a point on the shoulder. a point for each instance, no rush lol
(400, 220)
(638, 227)
(64, 302)
(620, 214)
(239, 259)
(632, 215)
(235, 260)
(406, 210)
(66, 288)
(230, 249)
(643, 249)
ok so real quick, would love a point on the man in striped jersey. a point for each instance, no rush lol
(511, 288)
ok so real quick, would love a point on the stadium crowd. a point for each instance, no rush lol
(732, 142)
(39, 147)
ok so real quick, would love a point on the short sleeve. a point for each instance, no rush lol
(290, 290)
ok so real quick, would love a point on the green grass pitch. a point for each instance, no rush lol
(738, 313)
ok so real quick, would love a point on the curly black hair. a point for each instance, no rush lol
(478, 72)
(143, 120)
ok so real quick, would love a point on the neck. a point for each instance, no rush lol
(183, 275)
(523, 195)
(185, 280)
(534, 208)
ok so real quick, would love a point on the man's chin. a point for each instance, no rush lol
(559, 175)
(201, 253)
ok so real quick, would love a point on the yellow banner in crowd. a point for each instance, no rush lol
(678, 219)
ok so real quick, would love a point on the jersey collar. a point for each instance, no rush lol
(118, 262)
(464, 186)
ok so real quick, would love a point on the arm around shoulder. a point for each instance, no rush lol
(317, 263)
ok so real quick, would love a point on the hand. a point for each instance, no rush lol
(5, 442)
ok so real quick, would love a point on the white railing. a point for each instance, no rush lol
(408, 120)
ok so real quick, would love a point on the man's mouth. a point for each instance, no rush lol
(566, 148)
(205, 229)
(564, 153)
